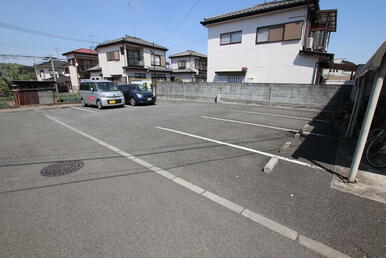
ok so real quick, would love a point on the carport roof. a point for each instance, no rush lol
(375, 61)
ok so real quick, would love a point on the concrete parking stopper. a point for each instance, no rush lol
(270, 165)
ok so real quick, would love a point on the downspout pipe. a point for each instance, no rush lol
(372, 105)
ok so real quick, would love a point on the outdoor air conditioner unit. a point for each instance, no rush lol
(310, 43)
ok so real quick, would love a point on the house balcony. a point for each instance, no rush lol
(135, 62)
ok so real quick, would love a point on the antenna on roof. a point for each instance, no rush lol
(92, 42)
(131, 4)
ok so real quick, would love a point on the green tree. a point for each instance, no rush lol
(10, 72)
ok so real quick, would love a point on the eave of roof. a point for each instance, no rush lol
(56, 64)
(82, 51)
(131, 40)
(259, 9)
(188, 53)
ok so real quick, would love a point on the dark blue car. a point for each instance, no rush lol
(136, 94)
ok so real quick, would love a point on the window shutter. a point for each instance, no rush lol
(116, 55)
(276, 33)
(163, 61)
(293, 30)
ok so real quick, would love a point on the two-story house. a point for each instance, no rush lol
(44, 70)
(189, 66)
(79, 61)
(130, 59)
(274, 42)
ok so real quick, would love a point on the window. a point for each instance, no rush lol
(182, 64)
(106, 86)
(293, 30)
(158, 77)
(156, 60)
(133, 57)
(235, 78)
(231, 78)
(281, 32)
(319, 39)
(113, 56)
(139, 75)
(83, 86)
(230, 38)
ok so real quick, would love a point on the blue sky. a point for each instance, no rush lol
(361, 24)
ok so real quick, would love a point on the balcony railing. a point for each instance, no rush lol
(134, 62)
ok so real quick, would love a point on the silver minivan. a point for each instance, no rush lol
(101, 93)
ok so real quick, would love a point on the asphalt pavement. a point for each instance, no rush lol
(122, 202)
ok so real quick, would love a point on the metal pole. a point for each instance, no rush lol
(353, 123)
(53, 73)
(375, 92)
(154, 82)
(36, 72)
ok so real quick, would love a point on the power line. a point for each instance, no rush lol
(181, 21)
(36, 32)
(8, 56)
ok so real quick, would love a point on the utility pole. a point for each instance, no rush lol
(53, 73)
(153, 81)
(36, 71)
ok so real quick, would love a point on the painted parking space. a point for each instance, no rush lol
(232, 177)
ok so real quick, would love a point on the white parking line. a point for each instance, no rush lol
(272, 225)
(241, 148)
(257, 218)
(264, 126)
(277, 115)
(247, 123)
(83, 109)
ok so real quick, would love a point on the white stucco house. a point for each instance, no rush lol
(129, 59)
(44, 70)
(275, 42)
(189, 66)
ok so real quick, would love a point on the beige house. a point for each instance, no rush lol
(129, 59)
(189, 66)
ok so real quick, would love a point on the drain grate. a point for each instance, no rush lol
(62, 168)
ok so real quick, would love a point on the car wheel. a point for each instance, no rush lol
(99, 104)
(84, 103)
(133, 102)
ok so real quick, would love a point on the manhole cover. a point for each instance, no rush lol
(62, 168)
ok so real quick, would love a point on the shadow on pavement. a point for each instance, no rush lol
(322, 151)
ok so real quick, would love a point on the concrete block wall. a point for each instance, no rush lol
(300, 95)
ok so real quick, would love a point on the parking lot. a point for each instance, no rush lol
(178, 179)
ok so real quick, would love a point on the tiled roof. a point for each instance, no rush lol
(188, 53)
(259, 8)
(133, 40)
(57, 63)
(82, 51)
